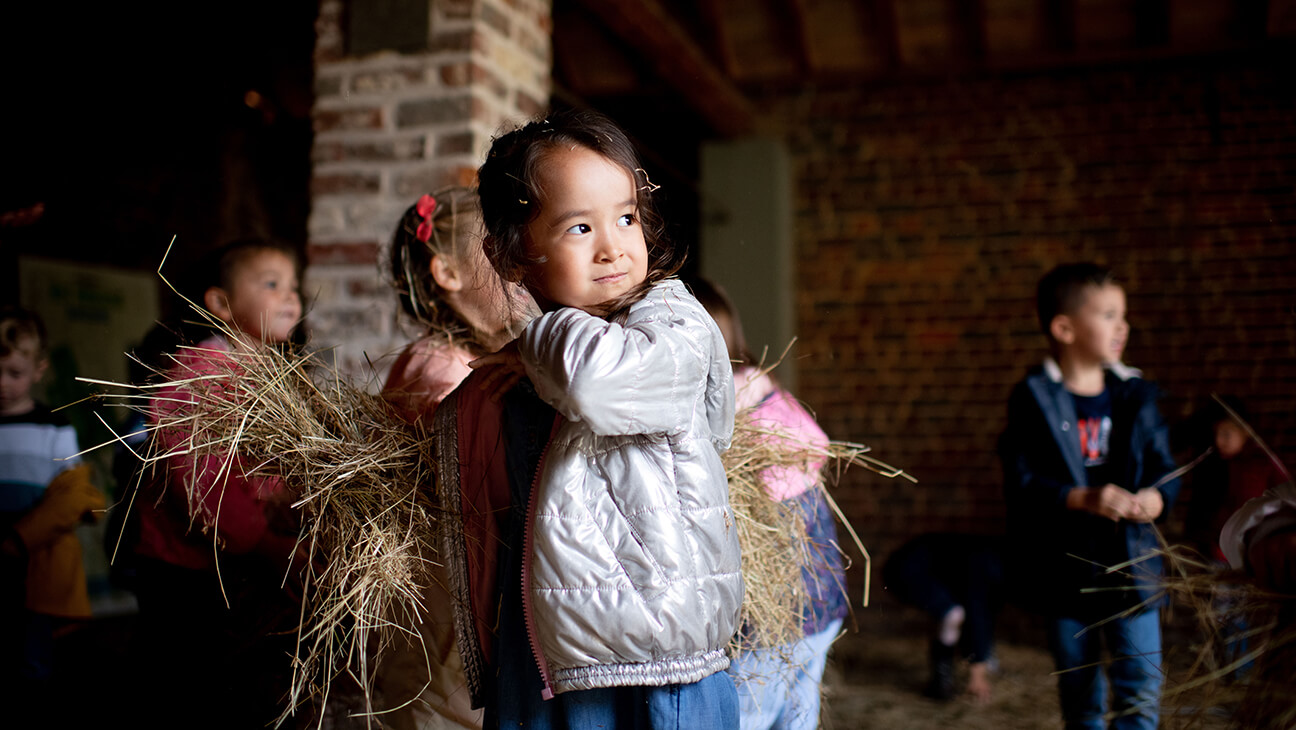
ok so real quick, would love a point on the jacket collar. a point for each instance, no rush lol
(1054, 371)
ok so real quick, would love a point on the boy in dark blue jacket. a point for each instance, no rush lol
(1084, 457)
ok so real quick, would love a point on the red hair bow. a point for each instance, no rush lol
(425, 206)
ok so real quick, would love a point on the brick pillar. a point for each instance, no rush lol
(390, 126)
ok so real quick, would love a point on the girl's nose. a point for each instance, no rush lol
(609, 249)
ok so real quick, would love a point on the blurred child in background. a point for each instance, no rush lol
(45, 493)
(216, 544)
(1236, 471)
(780, 687)
(959, 581)
(1086, 459)
(446, 285)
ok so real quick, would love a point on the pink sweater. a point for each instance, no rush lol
(782, 413)
(424, 374)
(177, 522)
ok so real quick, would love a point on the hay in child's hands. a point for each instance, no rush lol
(772, 535)
(361, 481)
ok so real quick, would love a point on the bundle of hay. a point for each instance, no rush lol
(772, 535)
(363, 480)
(1241, 662)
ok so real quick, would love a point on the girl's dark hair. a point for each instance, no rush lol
(511, 196)
(454, 223)
(716, 300)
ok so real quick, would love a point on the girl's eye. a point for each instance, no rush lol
(579, 228)
(626, 220)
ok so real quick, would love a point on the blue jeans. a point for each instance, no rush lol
(779, 688)
(1135, 672)
(707, 704)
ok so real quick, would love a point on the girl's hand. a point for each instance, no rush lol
(502, 370)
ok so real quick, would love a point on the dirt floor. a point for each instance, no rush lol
(875, 680)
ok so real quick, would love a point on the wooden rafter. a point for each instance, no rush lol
(649, 29)
(1060, 25)
(714, 22)
(1151, 23)
(969, 29)
(882, 22)
(1282, 18)
(798, 16)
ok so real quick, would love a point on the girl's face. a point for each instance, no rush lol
(263, 300)
(587, 236)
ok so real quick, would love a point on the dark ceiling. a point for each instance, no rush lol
(127, 120)
(710, 55)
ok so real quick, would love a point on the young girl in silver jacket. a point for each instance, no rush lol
(595, 557)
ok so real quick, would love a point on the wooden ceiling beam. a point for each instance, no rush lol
(714, 22)
(799, 16)
(884, 27)
(1282, 18)
(969, 29)
(1059, 25)
(667, 48)
(1151, 23)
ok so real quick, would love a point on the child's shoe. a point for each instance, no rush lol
(941, 686)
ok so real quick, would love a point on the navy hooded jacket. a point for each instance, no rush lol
(1057, 552)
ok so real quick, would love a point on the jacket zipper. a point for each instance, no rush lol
(528, 537)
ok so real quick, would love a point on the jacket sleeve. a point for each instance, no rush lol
(643, 377)
(1158, 460)
(1029, 486)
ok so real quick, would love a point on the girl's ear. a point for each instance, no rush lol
(217, 302)
(445, 272)
(1062, 329)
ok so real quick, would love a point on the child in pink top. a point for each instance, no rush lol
(217, 546)
(779, 687)
(445, 285)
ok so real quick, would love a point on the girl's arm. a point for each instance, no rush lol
(643, 377)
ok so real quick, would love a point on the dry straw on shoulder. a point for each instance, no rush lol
(362, 480)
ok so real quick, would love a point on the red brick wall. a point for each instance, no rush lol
(925, 214)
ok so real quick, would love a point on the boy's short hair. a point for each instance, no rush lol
(19, 330)
(217, 267)
(231, 256)
(1060, 291)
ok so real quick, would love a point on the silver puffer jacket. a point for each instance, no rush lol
(633, 574)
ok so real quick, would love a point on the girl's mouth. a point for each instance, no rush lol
(610, 278)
